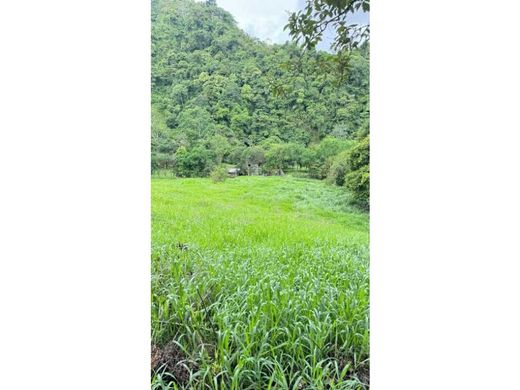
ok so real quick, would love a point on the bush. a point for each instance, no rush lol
(357, 179)
(338, 169)
(358, 182)
(193, 163)
(324, 155)
(218, 174)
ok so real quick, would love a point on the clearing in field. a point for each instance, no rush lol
(258, 283)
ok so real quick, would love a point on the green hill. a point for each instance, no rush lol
(219, 95)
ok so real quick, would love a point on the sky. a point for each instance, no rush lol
(265, 19)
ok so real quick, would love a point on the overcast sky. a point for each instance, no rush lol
(265, 19)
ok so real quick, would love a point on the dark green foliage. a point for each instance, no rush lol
(195, 162)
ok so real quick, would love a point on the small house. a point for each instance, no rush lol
(233, 172)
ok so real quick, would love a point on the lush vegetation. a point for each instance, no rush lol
(222, 97)
(258, 283)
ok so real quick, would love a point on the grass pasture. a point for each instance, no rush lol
(258, 283)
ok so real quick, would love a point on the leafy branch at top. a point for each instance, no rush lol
(308, 25)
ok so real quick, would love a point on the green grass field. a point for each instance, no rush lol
(258, 283)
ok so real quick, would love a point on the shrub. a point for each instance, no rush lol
(218, 174)
(338, 169)
(357, 179)
(324, 155)
(358, 182)
(195, 162)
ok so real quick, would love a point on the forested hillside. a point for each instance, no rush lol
(220, 96)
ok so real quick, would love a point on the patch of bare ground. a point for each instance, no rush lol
(171, 360)
(361, 372)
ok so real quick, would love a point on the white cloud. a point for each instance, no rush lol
(262, 19)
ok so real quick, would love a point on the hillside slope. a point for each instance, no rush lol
(217, 89)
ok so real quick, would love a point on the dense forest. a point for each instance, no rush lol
(222, 98)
